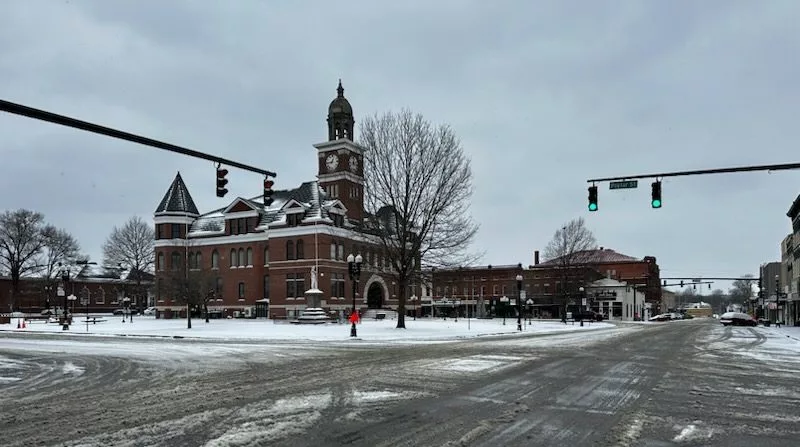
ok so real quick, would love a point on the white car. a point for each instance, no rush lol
(150, 311)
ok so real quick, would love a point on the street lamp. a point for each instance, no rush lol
(414, 303)
(354, 269)
(583, 303)
(519, 302)
(64, 274)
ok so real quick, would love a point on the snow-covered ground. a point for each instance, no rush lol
(417, 331)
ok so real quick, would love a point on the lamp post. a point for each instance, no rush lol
(581, 291)
(504, 300)
(64, 273)
(519, 302)
(414, 304)
(777, 296)
(354, 269)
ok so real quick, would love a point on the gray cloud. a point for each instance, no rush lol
(543, 94)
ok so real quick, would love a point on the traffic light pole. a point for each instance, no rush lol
(30, 112)
(777, 167)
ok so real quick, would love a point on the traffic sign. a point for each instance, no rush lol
(624, 184)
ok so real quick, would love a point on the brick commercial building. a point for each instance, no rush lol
(103, 288)
(546, 287)
(258, 259)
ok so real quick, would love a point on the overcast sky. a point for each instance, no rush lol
(544, 95)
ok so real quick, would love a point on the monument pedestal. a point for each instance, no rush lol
(313, 314)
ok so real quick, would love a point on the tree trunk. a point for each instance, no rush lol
(401, 303)
(205, 309)
(14, 291)
(188, 316)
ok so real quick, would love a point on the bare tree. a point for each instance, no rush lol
(570, 251)
(193, 288)
(21, 243)
(132, 246)
(418, 187)
(742, 289)
(58, 246)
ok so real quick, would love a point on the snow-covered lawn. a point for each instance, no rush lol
(420, 330)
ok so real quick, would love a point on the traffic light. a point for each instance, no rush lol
(681, 283)
(268, 191)
(221, 182)
(593, 198)
(655, 200)
(760, 287)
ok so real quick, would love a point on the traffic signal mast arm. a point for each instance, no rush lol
(30, 112)
(778, 167)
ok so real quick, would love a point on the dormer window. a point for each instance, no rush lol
(293, 220)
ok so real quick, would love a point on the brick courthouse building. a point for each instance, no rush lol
(260, 258)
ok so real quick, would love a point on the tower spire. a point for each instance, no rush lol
(340, 89)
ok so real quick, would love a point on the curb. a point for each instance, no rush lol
(477, 336)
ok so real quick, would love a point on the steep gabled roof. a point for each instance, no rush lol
(177, 199)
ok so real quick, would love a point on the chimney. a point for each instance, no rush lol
(601, 248)
(536, 257)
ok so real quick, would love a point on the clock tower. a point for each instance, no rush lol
(341, 171)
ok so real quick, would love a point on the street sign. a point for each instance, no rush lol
(624, 184)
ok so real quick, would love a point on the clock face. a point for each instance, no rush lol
(332, 162)
(353, 164)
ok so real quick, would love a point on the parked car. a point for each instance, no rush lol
(661, 317)
(150, 311)
(737, 319)
(588, 315)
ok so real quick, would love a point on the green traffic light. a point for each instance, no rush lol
(592, 207)
(656, 203)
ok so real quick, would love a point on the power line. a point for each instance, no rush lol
(777, 167)
(42, 115)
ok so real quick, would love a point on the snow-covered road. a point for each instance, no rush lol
(668, 384)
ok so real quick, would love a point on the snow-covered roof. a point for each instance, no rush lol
(598, 256)
(309, 197)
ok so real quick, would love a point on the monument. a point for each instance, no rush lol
(481, 308)
(313, 313)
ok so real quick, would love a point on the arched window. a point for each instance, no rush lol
(266, 255)
(249, 256)
(100, 297)
(300, 250)
(234, 258)
(192, 260)
(176, 260)
(215, 259)
(198, 260)
(242, 258)
(162, 262)
(290, 250)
